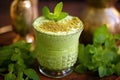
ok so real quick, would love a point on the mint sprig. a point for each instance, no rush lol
(57, 15)
(102, 56)
(16, 62)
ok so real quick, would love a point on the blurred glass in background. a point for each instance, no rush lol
(22, 13)
(97, 13)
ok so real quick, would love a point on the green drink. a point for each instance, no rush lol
(57, 45)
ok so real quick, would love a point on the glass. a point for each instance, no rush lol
(22, 13)
(56, 54)
(97, 13)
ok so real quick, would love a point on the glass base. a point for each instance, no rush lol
(55, 74)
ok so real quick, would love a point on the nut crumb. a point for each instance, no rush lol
(53, 26)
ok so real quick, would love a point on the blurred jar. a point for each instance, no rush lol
(22, 13)
(35, 9)
(97, 13)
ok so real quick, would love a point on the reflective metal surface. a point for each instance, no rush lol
(21, 13)
(96, 15)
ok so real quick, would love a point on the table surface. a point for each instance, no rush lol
(74, 8)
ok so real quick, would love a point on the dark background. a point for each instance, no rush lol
(5, 8)
(74, 7)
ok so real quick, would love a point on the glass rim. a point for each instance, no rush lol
(36, 23)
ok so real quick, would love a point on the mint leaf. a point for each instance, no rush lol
(51, 16)
(20, 75)
(57, 15)
(31, 74)
(48, 14)
(117, 68)
(5, 54)
(106, 70)
(61, 16)
(45, 11)
(10, 76)
(11, 68)
(102, 71)
(100, 35)
(58, 9)
(16, 55)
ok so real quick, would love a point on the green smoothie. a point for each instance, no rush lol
(57, 42)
